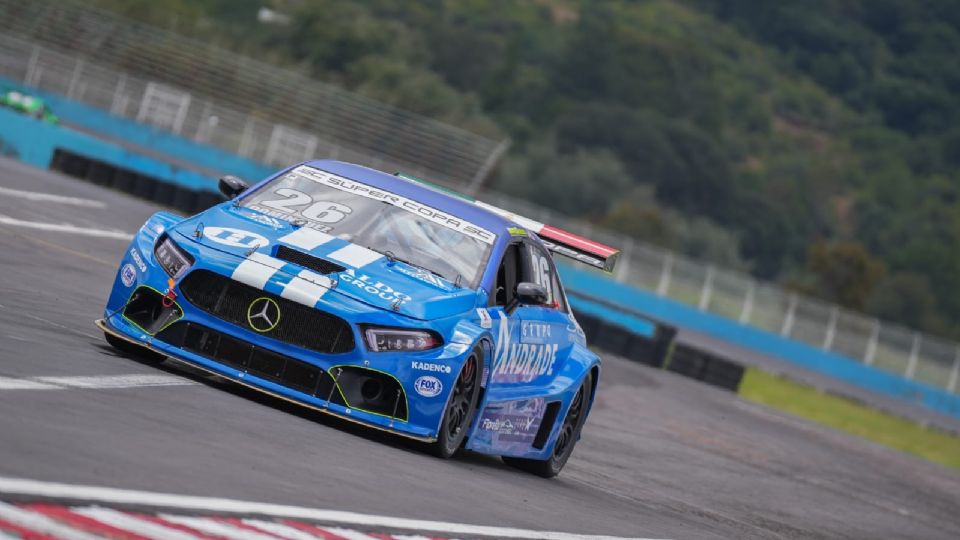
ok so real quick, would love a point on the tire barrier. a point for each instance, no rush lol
(186, 200)
(658, 349)
(706, 367)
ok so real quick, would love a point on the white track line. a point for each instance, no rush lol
(64, 228)
(104, 382)
(212, 504)
(49, 197)
(41, 523)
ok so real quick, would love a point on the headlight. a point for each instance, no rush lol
(171, 257)
(399, 340)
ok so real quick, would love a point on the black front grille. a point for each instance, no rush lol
(310, 262)
(241, 355)
(298, 324)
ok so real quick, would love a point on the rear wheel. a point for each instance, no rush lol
(132, 349)
(566, 439)
(460, 407)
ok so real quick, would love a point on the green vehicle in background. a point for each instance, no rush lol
(29, 105)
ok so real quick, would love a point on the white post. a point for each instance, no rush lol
(664, 284)
(246, 141)
(32, 66)
(789, 318)
(181, 114)
(623, 261)
(707, 291)
(831, 328)
(955, 372)
(115, 104)
(748, 303)
(871, 352)
(914, 356)
(75, 79)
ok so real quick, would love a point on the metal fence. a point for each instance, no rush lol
(198, 91)
(385, 138)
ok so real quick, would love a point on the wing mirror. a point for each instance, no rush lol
(231, 186)
(531, 294)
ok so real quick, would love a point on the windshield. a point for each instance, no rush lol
(398, 227)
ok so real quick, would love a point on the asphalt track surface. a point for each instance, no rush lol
(661, 456)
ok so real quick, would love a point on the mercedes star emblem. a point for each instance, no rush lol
(263, 315)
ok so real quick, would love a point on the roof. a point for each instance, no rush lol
(442, 201)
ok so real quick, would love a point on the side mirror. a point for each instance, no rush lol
(231, 186)
(531, 294)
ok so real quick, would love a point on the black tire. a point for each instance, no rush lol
(566, 439)
(460, 407)
(131, 349)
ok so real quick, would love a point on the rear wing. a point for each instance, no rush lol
(556, 240)
(562, 242)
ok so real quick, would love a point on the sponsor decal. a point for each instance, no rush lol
(534, 332)
(521, 362)
(428, 386)
(517, 231)
(235, 237)
(279, 214)
(574, 254)
(421, 274)
(128, 274)
(511, 425)
(414, 207)
(265, 220)
(373, 286)
(427, 366)
(263, 314)
(485, 320)
(138, 259)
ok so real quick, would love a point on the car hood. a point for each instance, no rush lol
(367, 276)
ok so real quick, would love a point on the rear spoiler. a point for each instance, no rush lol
(562, 242)
(556, 240)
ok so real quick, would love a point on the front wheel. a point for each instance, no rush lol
(566, 439)
(460, 407)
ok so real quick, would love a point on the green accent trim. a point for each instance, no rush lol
(516, 231)
(142, 329)
(336, 385)
(249, 317)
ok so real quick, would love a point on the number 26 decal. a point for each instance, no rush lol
(319, 211)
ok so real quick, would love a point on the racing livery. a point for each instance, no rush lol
(376, 298)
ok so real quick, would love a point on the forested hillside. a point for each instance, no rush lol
(812, 142)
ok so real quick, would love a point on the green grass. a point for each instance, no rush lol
(850, 416)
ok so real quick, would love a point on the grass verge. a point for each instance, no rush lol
(850, 416)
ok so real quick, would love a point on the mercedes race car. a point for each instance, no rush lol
(376, 298)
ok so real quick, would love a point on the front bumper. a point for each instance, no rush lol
(335, 382)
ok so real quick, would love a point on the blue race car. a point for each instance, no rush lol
(375, 298)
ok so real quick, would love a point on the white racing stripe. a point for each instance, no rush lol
(216, 528)
(306, 238)
(306, 288)
(355, 256)
(133, 524)
(17, 486)
(41, 523)
(103, 382)
(64, 228)
(49, 197)
(257, 269)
